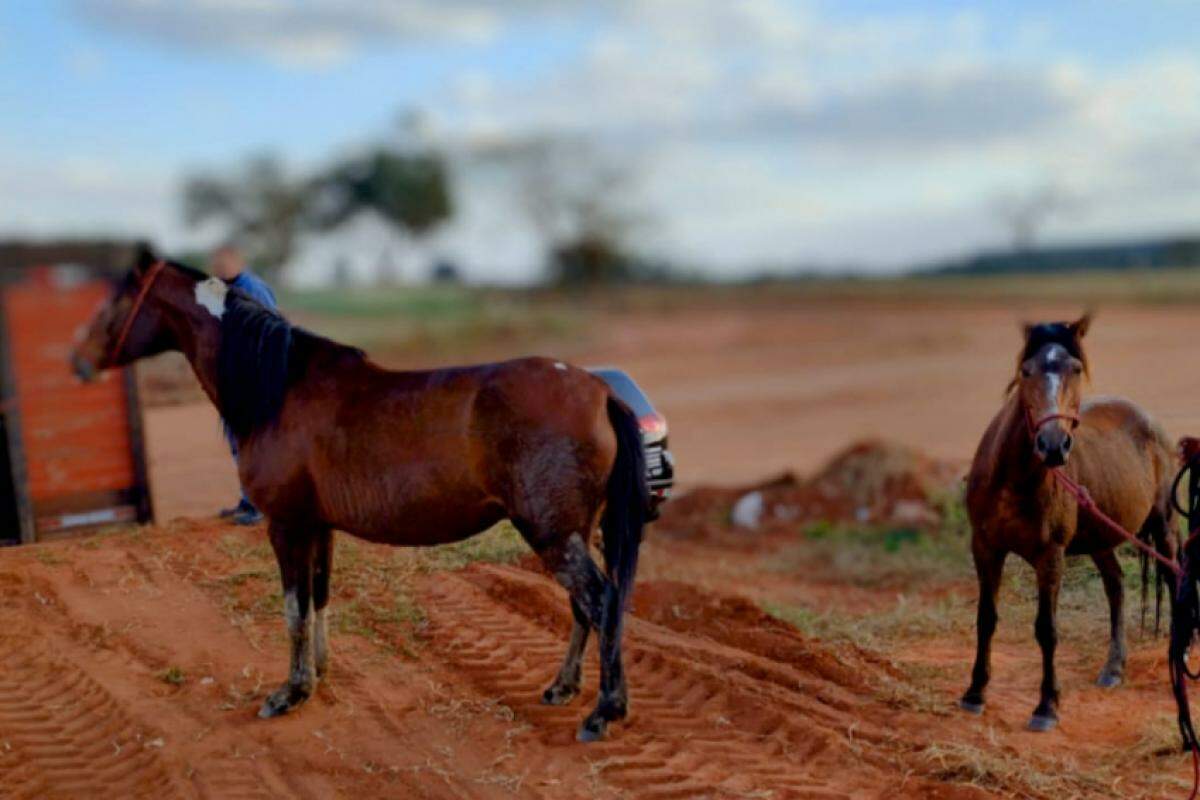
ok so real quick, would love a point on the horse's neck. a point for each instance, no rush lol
(1017, 466)
(197, 334)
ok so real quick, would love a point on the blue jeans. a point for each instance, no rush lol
(233, 448)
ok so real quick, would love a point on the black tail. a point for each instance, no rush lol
(1158, 533)
(628, 503)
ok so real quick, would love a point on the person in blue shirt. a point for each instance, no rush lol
(228, 264)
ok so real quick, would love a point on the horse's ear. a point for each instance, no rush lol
(1027, 330)
(1080, 326)
(144, 257)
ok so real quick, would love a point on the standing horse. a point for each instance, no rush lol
(1108, 445)
(327, 439)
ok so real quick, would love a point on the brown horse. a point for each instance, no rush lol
(1108, 445)
(327, 440)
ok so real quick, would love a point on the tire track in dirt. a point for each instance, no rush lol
(68, 736)
(700, 727)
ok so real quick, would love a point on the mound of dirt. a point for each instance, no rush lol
(871, 481)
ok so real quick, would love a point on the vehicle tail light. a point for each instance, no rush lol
(653, 426)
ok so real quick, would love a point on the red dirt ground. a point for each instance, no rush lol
(134, 662)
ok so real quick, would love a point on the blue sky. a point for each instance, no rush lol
(753, 133)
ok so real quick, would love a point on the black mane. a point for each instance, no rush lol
(260, 357)
(254, 364)
(1047, 333)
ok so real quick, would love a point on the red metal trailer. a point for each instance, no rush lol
(75, 457)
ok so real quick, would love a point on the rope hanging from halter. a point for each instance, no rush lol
(147, 282)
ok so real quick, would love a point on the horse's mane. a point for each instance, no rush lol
(260, 357)
(1047, 333)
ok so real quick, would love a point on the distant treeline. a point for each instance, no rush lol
(1151, 254)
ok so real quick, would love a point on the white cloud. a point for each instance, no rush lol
(308, 33)
(769, 133)
(773, 131)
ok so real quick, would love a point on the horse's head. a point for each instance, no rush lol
(1049, 385)
(128, 326)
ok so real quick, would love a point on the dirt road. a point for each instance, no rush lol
(753, 391)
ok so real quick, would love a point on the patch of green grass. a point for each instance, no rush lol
(433, 319)
(243, 576)
(240, 550)
(172, 675)
(908, 618)
(390, 625)
(500, 545)
(413, 302)
(48, 556)
(867, 556)
(951, 507)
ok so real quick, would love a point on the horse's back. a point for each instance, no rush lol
(1111, 416)
(1123, 456)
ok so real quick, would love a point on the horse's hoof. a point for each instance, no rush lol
(592, 729)
(284, 699)
(1039, 723)
(1109, 680)
(970, 706)
(559, 695)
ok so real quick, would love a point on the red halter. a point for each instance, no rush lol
(1035, 426)
(147, 282)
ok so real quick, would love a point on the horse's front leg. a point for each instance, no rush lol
(1049, 577)
(989, 567)
(294, 549)
(1114, 589)
(322, 567)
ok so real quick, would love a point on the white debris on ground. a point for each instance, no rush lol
(748, 510)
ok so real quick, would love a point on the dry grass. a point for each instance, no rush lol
(1049, 773)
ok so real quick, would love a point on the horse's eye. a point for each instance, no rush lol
(1026, 372)
(1076, 369)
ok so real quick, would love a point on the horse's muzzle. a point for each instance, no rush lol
(1053, 450)
(83, 369)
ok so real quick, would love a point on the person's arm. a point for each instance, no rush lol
(260, 291)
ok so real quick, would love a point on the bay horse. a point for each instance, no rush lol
(329, 440)
(1108, 445)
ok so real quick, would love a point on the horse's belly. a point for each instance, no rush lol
(383, 511)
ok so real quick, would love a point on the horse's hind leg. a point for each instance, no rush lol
(989, 567)
(1049, 578)
(1114, 588)
(613, 703)
(573, 566)
(570, 676)
(294, 551)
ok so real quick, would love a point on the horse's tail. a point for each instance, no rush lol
(627, 506)
(1161, 531)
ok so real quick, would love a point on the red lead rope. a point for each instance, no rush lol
(133, 311)
(1080, 493)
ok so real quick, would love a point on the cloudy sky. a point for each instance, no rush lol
(757, 132)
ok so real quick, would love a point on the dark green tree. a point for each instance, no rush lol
(411, 190)
(259, 206)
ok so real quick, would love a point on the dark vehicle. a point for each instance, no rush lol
(660, 464)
